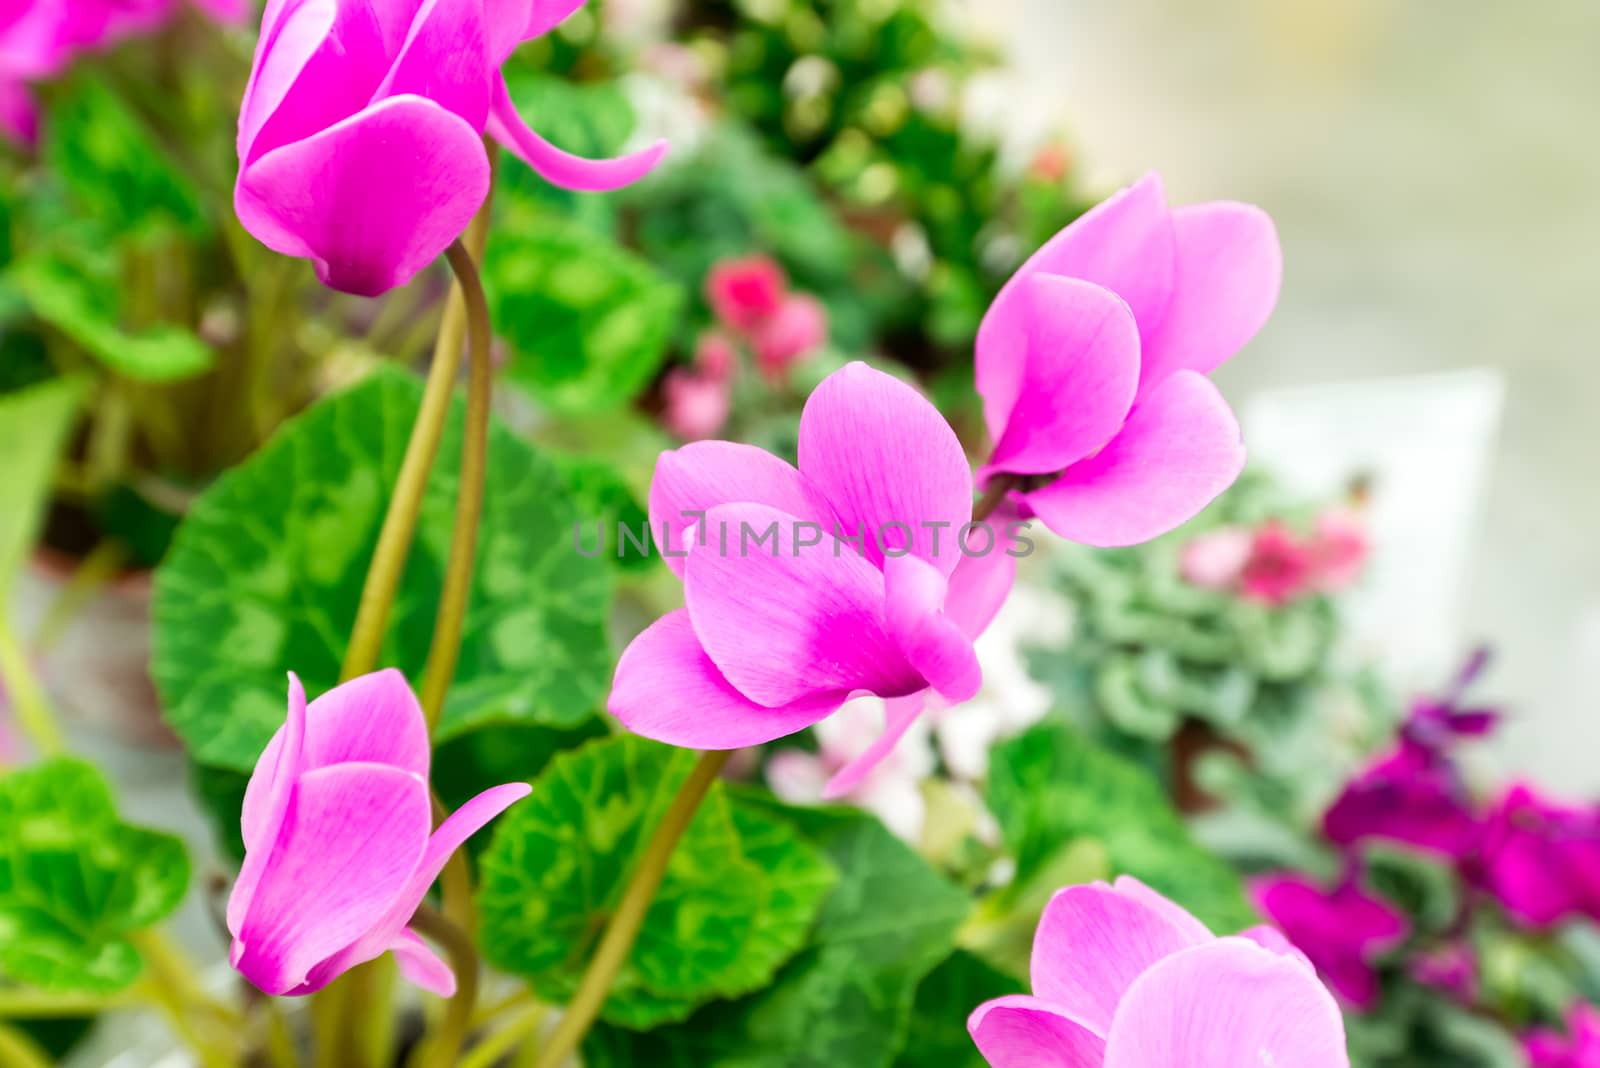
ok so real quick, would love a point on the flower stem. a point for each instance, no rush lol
(446, 648)
(443, 1049)
(405, 502)
(27, 696)
(994, 496)
(617, 942)
(491, 1050)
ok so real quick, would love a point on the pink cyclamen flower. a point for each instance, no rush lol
(360, 135)
(716, 356)
(1342, 931)
(1578, 1048)
(1340, 548)
(340, 846)
(1281, 567)
(694, 406)
(1541, 859)
(1124, 978)
(785, 618)
(796, 330)
(1215, 560)
(745, 292)
(1092, 362)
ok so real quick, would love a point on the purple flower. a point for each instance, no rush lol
(1411, 795)
(807, 586)
(1342, 931)
(1092, 362)
(1541, 859)
(1451, 969)
(1124, 978)
(360, 132)
(1578, 1048)
(339, 841)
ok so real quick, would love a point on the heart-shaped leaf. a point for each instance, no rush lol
(736, 902)
(588, 322)
(844, 1000)
(265, 573)
(76, 882)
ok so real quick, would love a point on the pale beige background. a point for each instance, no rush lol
(1434, 168)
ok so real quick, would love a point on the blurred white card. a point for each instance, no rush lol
(1426, 443)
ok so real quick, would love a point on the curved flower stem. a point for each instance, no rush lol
(27, 696)
(994, 496)
(405, 502)
(617, 942)
(441, 1051)
(446, 648)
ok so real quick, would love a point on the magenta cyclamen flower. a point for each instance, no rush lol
(1578, 1048)
(1342, 931)
(1413, 795)
(339, 841)
(1124, 978)
(1541, 859)
(1092, 362)
(360, 133)
(785, 619)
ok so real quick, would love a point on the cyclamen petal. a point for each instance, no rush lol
(1091, 362)
(889, 464)
(1093, 942)
(371, 200)
(559, 167)
(784, 620)
(1178, 450)
(1227, 1004)
(667, 689)
(352, 837)
(339, 845)
(1071, 391)
(1124, 978)
(691, 481)
(360, 132)
(1025, 1032)
(788, 622)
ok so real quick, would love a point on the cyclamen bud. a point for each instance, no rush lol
(340, 847)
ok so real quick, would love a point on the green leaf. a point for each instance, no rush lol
(605, 500)
(1050, 788)
(847, 998)
(75, 881)
(588, 322)
(113, 164)
(78, 306)
(265, 573)
(944, 1001)
(722, 922)
(34, 424)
